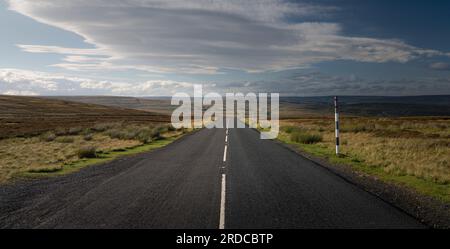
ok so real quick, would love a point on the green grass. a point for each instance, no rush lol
(305, 138)
(102, 157)
(439, 191)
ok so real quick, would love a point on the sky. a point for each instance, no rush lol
(160, 47)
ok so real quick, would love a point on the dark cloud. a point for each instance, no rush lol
(319, 84)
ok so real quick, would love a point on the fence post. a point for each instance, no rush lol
(336, 120)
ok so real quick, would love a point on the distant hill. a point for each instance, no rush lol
(370, 105)
(21, 115)
(157, 105)
(291, 107)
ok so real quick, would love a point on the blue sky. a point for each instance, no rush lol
(155, 47)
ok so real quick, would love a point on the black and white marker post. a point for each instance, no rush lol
(336, 119)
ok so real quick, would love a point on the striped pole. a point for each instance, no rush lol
(336, 120)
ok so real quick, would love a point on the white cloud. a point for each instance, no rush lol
(204, 36)
(26, 82)
(59, 50)
(15, 92)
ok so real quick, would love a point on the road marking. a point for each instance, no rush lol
(222, 203)
(225, 154)
(222, 193)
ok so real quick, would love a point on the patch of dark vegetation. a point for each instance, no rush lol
(65, 139)
(144, 134)
(88, 137)
(46, 170)
(87, 152)
(305, 138)
(48, 137)
(292, 129)
(74, 131)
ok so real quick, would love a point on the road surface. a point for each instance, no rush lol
(213, 178)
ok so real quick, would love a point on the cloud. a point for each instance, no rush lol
(59, 50)
(25, 82)
(204, 36)
(320, 84)
(440, 66)
(24, 93)
(20, 80)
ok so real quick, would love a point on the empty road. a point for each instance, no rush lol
(213, 178)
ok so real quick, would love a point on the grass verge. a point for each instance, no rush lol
(102, 157)
(423, 186)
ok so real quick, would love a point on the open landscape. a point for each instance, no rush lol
(46, 137)
(405, 148)
(23, 116)
(399, 139)
(159, 105)
(224, 123)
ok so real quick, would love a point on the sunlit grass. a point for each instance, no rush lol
(414, 152)
(50, 154)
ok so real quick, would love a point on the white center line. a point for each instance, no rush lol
(222, 194)
(222, 204)
(225, 154)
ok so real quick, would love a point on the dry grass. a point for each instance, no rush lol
(87, 152)
(45, 135)
(418, 147)
(25, 154)
(30, 116)
(48, 152)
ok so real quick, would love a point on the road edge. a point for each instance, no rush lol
(428, 210)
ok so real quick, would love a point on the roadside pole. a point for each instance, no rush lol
(336, 120)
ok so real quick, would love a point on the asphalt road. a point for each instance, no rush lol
(196, 183)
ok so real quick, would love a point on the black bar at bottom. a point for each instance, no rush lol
(287, 238)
